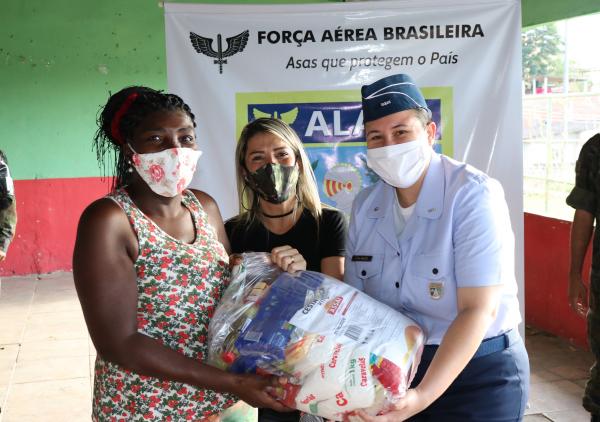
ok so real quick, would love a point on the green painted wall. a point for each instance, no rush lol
(59, 59)
(541, 11)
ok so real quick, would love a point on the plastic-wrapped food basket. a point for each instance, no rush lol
(341, 349)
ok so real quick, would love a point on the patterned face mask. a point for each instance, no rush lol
(167, 172)
(274, 182)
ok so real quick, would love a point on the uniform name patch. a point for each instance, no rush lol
(362, 258)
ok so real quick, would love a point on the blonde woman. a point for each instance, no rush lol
(282, 213)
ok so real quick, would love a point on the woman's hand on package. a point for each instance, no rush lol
(235, 259)
(409, 405)
(255, 390)
(288, 259)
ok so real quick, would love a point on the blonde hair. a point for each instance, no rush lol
(306, 187)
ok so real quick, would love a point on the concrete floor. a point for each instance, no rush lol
(46, 358)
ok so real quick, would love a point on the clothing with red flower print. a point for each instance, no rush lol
(179, 286)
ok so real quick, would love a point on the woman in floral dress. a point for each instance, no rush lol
(150, 265)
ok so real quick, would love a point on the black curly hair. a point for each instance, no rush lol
(119, 118)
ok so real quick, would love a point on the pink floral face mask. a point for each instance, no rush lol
(167, 172)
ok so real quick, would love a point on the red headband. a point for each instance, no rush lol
(114, 126)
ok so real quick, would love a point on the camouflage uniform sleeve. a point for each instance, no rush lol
(8, 223)
(584, 194)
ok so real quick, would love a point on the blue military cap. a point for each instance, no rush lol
(389, 95)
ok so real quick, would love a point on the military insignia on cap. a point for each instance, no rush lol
(436, 290)
(389, 95)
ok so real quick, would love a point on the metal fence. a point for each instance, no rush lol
(555, 126)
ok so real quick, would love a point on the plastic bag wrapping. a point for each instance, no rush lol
(340, 349)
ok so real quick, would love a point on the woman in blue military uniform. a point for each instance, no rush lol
(433, 240)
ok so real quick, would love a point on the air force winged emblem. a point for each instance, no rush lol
(288, 117)
(235, 44)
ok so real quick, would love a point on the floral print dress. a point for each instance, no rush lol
(179, 286)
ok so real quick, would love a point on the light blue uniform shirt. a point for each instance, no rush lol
(459, 235)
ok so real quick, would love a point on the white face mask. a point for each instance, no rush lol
(400, 165)
(167, 172)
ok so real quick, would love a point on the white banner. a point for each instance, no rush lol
(306, 63)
